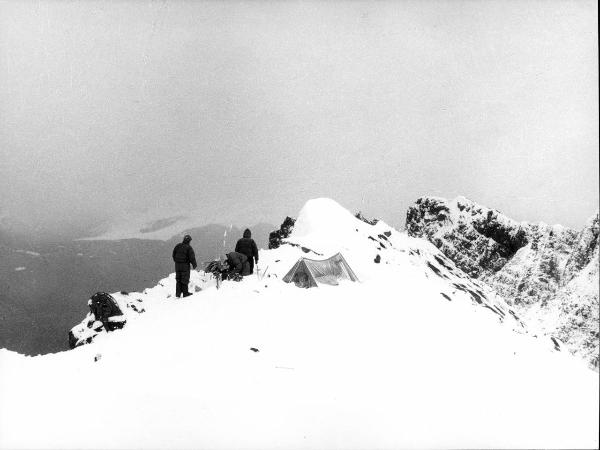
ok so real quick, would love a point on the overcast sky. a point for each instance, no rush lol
(245, 110)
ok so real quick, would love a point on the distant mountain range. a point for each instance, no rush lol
(548, 273)
(151, 226)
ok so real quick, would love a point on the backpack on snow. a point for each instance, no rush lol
(106, 310)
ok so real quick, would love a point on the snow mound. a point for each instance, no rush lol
(325, 227)
(323, 215)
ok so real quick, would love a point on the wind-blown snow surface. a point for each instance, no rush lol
(388, 362)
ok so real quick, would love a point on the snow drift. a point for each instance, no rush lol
(415, 355)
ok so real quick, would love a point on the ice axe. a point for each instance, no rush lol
(264, 273)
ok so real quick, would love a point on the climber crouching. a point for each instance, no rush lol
(235, 266)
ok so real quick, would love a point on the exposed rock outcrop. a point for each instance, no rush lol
(575, 305)
(275, 237)
(360, 216)
(549, 273)
(107, 313)
(479, 240)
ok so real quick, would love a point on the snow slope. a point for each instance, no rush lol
(415, 355)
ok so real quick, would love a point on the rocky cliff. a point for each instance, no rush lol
(275, 237)
(549, 273)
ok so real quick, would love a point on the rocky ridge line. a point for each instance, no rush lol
(549, 273)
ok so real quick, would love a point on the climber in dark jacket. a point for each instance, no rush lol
(247, 246)
(238, 265)
(183, 255)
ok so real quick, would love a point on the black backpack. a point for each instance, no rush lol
(103, 306)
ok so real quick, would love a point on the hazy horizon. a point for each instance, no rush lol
(242, 111)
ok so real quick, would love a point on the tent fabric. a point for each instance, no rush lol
(308, 272)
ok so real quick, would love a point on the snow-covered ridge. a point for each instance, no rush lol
(477, 238)
(324, 228)
(415, 355)
(531, 265)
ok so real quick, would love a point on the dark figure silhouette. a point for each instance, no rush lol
(183, 255)
(237, 266)
(247, 246)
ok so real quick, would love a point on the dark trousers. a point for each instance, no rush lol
(182, 279)
(251, 262)
(246, 269)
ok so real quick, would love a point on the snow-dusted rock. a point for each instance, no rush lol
(85, 332)
(275, 237)
(548, 273)
(585, 250)
(576, 300)
(132, 305)
(478, 239)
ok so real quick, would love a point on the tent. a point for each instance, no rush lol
(308, 272)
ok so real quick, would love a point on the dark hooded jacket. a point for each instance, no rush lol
(183, 255)
(247, 246)
(238, 263)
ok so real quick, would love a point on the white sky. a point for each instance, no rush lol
(244, 110)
